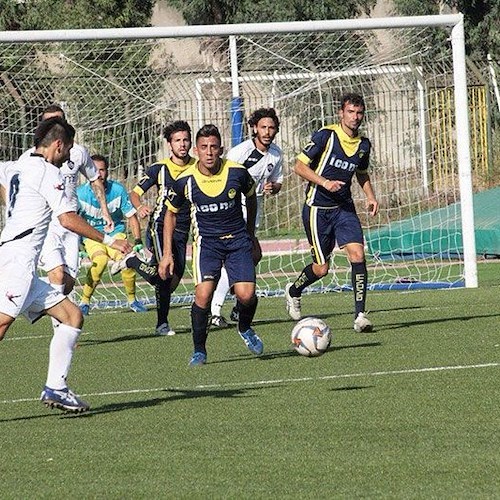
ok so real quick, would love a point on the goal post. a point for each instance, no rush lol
(121, 86)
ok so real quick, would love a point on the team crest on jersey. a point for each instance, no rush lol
(59, 187)
(231, 193)
(362, 153)
(309, 146)
(70, 164)
(269, 167)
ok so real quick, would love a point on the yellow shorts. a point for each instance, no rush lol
(92, 247)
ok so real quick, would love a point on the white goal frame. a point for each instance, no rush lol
(453, 21)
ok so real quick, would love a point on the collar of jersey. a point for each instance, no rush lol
(349, 144)
(212, 185)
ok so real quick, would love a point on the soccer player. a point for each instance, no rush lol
(162, 175)
(221, 236)
(36, 193)
(120, 209)
(328, 162)
(59, 256)
(264, 161)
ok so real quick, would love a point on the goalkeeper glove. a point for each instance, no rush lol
(138, 246)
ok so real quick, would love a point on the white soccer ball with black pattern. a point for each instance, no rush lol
(311, 337)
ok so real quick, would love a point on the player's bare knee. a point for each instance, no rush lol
(320, 270)
(57, 276)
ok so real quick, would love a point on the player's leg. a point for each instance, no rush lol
(350, 238)
(207, 263)
(219, 297)
(98, 255)
(321, 236)
(241, 272)
(69, 320)
(128, 277)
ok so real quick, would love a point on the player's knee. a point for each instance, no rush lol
(56, 275)
(320, 270)
(99, 263)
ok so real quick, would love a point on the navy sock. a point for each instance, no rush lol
(163, 294)
(306, 278)
(199, 325)
(246, 314)
(359, 281)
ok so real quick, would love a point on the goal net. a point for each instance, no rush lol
(120, 91)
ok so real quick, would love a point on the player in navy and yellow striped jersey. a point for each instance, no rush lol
(221, 236)
(162, 175)
(331, 159)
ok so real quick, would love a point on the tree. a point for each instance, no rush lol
(245, 11)
(481, 19)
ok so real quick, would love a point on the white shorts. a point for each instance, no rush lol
(22, 291)
(60, 248)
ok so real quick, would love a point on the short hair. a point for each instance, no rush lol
(53, 108)
(177, 126)
(260, 113)
(98, 157)
(53, 129)
(352, 98)
(208, 130)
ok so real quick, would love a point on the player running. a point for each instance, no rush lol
(329, 162)
(35, 194)
(221, 236)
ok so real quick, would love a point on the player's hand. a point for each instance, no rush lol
(268, 188)
(372, 206)
(110, 225)
(256, 250)
(122, 246)
(332, 186)
(143, 211)
(166, 267)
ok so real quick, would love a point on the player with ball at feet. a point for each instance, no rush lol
(221, 236)
(329, 161)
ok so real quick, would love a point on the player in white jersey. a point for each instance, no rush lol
(264, 162)
(59, 256)
(35, 194)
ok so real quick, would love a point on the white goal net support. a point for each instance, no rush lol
(119, 88)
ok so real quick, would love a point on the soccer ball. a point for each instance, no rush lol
(311, 337)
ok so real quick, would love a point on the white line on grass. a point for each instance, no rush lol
(276, 381)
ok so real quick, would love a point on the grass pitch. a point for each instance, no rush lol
(408, 411)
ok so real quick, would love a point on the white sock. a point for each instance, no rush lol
(60, 355)
(220, 293)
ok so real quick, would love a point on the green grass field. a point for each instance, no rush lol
(408, 411)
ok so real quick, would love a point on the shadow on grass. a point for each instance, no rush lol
(174, 395)
(86, 342)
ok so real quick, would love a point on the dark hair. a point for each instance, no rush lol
(53, 108)
(353, 98)
(53, 129)
(102, 158)
(178, 126)
(260, 113)
(208, 130)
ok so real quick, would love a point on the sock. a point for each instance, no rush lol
(99, 263)
(220, 293)
(199, 324)
(128, 278)
(163, 294)
(147, 271)
(247, 312)
(359, 281)
(61, 350)
(306, 278)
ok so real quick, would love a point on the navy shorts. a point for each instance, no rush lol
(154, 242)
(325, 227)
(234, 253)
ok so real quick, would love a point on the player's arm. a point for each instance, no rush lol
(273, 186)
(73, 222)
(98, 189)
(143, 210)
(366, 185)
(166, 265)
(135, 229)
(308, 174)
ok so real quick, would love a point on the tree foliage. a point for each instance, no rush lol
(481, 19)
(74, 14)
(255, 11)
